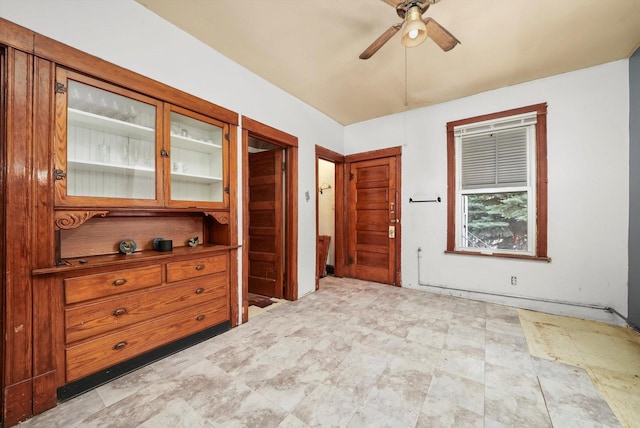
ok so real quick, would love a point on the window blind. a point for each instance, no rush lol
(496, 159)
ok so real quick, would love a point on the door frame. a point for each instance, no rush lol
(3, 222)
(339, 194)
(395, 152)
(253, 128)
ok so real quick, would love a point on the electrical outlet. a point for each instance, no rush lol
(514, 280)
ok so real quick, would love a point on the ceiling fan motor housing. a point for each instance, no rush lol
(403, 8)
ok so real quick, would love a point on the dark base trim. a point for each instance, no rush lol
(330, 270)
(85, 384)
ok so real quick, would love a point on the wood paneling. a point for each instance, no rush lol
(47, 293)
(16, 36)
(372, 259)
(244, 280)
(18, 403)
(18, 236)
(370, 237)
(261, 244)
(42, 172)
(291, 233)
(47, 329)
(3, 145)
(103, 235)
(32, 351)
(44, 392)
(232, 228)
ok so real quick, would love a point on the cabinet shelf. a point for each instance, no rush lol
(132, 151)
(182, 142)
(96, 122)
(110, 168)
(192, 178)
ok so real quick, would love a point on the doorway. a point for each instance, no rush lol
(326, 215)
(373, 216)
(330, 219)
(270, 212)
(267, 220)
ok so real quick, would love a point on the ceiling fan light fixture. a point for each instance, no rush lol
(414, 31)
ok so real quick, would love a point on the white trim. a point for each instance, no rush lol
(517, 121)
(528, 121)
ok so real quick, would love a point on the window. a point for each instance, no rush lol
(497, 177)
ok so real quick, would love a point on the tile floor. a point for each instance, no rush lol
(354, 354)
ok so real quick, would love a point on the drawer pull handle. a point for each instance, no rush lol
(119, 281)
(120, 345)
(119, 311)
(199, 267)
(199, 290)
(200, 317)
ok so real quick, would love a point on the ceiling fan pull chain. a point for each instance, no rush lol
(406, 80)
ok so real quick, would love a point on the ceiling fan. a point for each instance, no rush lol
(416, 29)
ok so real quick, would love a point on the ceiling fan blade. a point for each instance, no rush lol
(440, 35)
(377, 44)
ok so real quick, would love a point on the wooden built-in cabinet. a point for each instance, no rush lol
(116, 315)
(93, 155)
(116, 147)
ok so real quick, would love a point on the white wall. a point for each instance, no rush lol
(125, 33)
(588, 153)
(588, 162)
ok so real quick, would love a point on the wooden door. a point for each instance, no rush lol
(372, 219)
(266, 223)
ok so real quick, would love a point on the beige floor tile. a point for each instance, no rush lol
(361, 354)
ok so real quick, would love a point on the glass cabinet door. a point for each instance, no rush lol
(111, 141)
(196, 160)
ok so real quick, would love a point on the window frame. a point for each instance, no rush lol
(539, 251)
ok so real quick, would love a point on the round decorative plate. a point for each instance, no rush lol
(128, 246)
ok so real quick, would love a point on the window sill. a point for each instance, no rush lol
(500, 255)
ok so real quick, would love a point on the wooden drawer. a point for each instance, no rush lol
(86, 320)
(94, 355)
(106, 284)
(177, 271)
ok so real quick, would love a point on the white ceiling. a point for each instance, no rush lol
(310, 48)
